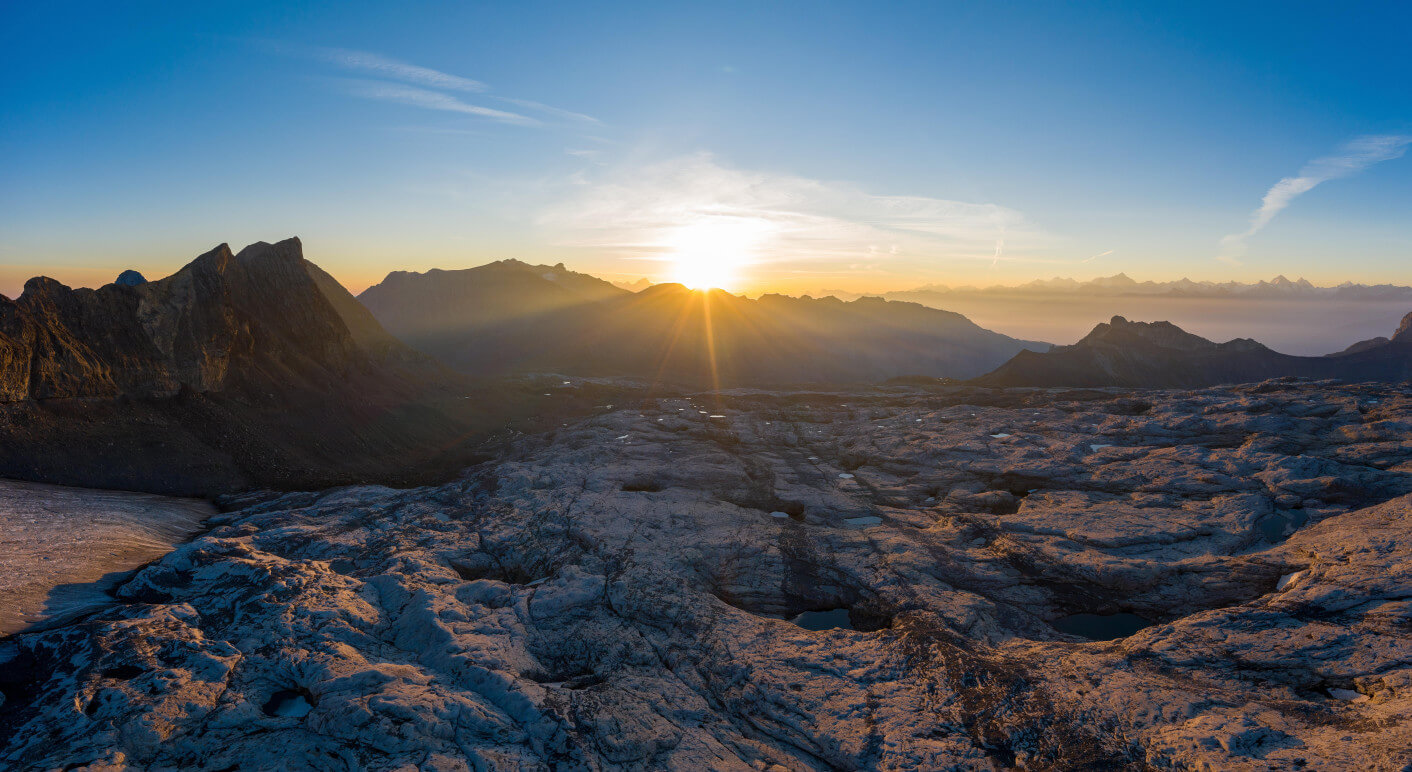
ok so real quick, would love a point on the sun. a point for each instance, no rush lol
(711, 253)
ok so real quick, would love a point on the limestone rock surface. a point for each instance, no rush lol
(617, 594)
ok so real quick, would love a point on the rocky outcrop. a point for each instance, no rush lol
(223, 320)
(618, 594)
(239, 370)
(1162, 355)
(511, 318)
(1404, 330)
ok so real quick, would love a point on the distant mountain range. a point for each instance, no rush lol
(511, 317)
(1121, 284)
(633, 286)
(1162, 355)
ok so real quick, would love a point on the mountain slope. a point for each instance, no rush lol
(239, 370)
(1162, 355)
(509, 317)
(415, 306)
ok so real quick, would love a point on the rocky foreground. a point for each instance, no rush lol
(617, 594)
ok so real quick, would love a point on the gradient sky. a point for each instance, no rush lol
(867, 146)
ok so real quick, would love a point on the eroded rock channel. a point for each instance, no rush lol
(876, 579)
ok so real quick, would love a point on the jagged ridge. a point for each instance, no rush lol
(239, 370)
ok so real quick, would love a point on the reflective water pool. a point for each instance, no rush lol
(1101, 627)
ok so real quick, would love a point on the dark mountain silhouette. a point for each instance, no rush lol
(510, 317)
(418, 306)
(225, 322)
(1162, 355)
(242, 370)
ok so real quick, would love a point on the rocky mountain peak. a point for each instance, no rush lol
(1404, 330)
(255, 368)
(258, 316)
(1118, 332)
(42, 287)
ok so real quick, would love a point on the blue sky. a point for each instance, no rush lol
(804, 145)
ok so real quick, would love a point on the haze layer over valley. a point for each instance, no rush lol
(1292, 317)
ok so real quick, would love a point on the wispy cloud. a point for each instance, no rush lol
(431, 100)
(411, 84)
(1351, 158)
(646, 211)
(1095, 257)
(549, 110)
(387, 67)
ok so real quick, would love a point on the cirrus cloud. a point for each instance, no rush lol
(1353, 157)
(425, 98)
(411, 84)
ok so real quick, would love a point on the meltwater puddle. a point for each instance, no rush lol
(1101, 627)
(61, 548)
(831, 619)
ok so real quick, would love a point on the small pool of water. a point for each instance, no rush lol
(1101, 627)
(832, 619)
(288, 703)
(1279, 525)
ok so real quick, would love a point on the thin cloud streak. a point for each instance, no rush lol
(397, 70)
(412, 84)
(550, 110)
(430, 100)
(1355, 156)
